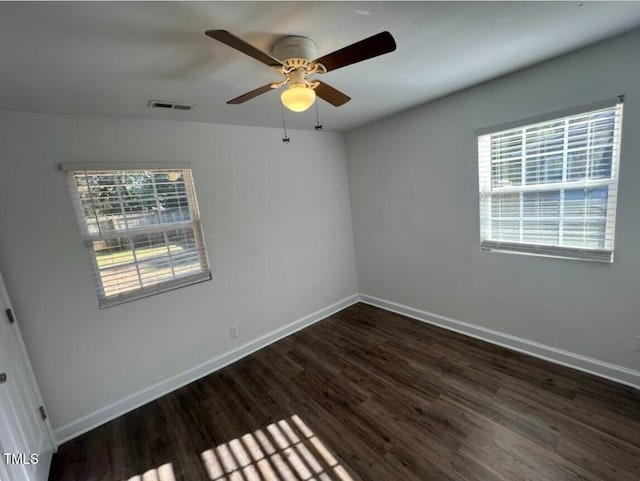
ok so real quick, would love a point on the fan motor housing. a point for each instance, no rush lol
(294, 48)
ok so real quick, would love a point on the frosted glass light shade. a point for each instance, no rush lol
(298, 98)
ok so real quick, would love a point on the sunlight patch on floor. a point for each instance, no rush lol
(283, 451)
(163, 473)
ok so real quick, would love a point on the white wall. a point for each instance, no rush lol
(277, 224)
(414, 193)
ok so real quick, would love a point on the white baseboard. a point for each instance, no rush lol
(613, 372)
(589, 365)
(129, 403)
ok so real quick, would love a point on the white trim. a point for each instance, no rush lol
(558, 252)
(613, 372)
(175, 283)
(558, 114)
(141, 165)
(44, 463)
(90, 421)
(4, 295)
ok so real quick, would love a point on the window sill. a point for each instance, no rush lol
(106, 302)
(573, 253)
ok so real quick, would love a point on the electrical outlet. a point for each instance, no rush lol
(234, 332)
(638, 343)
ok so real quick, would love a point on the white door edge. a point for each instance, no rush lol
(23, 351)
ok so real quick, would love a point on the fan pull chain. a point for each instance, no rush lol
(285, 139)
(318, 125)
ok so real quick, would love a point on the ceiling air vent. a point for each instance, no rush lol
(163, 104)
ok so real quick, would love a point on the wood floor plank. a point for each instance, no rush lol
(579, 442)
(368, 395)
(615, 425)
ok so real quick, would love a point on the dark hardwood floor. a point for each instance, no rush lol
(367, 395)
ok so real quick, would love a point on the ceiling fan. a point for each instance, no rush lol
(293, 56)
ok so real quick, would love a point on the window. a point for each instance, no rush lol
(141, 226)
(550, 187)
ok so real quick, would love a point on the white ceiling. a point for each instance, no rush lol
(111, 58)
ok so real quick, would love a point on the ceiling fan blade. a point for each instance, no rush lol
(244, 47)
(331, 95)
(249, 95)
(373, 46)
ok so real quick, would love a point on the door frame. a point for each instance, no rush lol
(25, 358)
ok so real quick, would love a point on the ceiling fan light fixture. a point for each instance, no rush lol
(293, 59)
(298, 97)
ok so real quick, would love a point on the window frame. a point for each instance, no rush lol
(487, 190)
(168, 283)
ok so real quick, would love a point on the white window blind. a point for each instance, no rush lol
(550, 187)
(141, 227)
